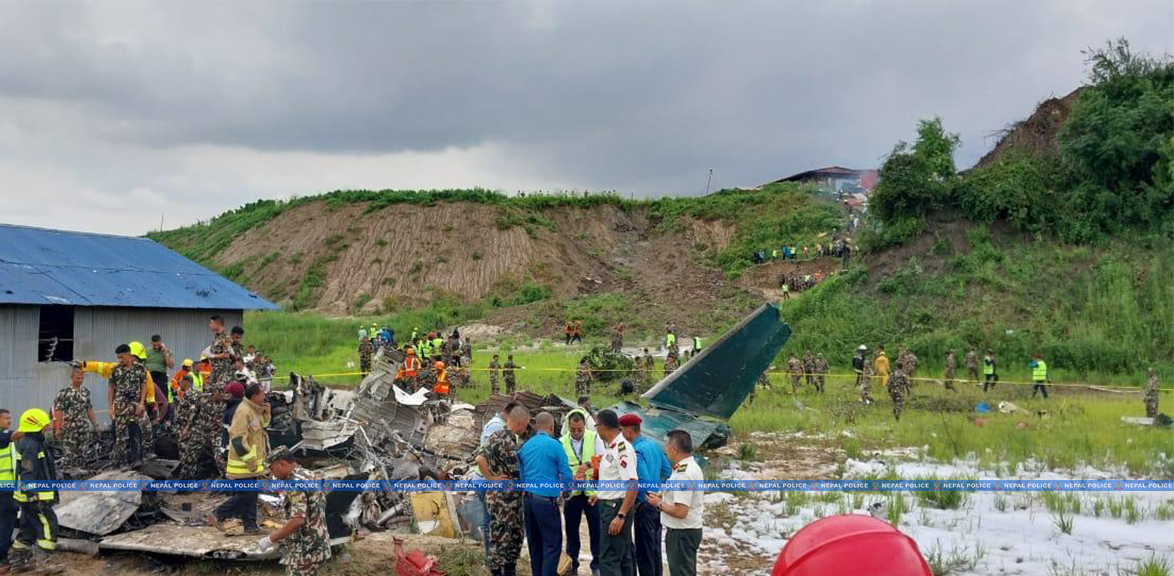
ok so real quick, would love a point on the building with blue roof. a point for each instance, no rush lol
(76, 296)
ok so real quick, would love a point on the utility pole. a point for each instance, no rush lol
(709, 181)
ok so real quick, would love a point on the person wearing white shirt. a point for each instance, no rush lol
(618, 464)
(681, 511)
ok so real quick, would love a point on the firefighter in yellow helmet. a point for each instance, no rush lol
(38, 523)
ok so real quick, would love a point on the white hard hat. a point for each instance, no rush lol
(863, 347)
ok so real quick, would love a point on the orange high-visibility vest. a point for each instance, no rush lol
(441, 386)
(410, 368)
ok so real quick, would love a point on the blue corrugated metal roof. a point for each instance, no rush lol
(40, 266)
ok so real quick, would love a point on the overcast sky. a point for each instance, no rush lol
(113, 115)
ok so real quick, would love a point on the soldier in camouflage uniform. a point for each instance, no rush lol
(795, 369)
(507, 373)
(494, 368)
(187, 412)
(809, 368)
(670, 363)
(821, 368)
(304, 541)
(866, 381)
(209, 430)
(972, 365)
(583, 379)
(366, 352)
(79, 425)
(898, 389)
(128, 385)
(1151, 394)
(498, 461)
(617, 338)
(647, 366)
(950, 365)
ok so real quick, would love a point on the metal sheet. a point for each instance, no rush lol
(100, 512)
(716, 381)
(193, 541)
(657, 423)
(41, 266)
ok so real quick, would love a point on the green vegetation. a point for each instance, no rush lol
(1092, 312)
(1113, 171)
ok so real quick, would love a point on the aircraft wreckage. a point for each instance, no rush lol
(379, 432)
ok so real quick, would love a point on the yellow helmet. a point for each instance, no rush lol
(136, 349)
(203, 357)
(187, 362)
(33, 420)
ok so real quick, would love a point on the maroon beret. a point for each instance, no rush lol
(630, 419)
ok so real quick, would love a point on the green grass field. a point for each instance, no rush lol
(1080, 426)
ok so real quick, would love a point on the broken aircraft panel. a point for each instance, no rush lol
(100, 512)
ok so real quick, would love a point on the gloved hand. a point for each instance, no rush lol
(265, 544)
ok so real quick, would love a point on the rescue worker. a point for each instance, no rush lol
(221, 355)
(544, 468)
(38, 522)
(568, 332)
(304, 540)
(150, 400)
(498, 461)
(652, 467)
(159, 362)
(185, 369)
(366, 351)
(809, 368)
(577, 333)
(583, 378)
(681, 511)
(248, 447)
(858, 364)
(126, 396)
(425, 347)
(881, 365)
(494, 368)
(1039, 375)
(972, 365)
(989, 370)
(74, 423)
(406, 375)
(437, 345)
(795, 369)
(820, 364)
(1151, 394)
(186, 414)
(8, 465)
(670, 340)
(441, 388)
(618, 464)
(581, 445)
(507, 373)
(617, 338)
(648, 366)
(670, 362)
(866, 383)
(950, 365)
(898, 385)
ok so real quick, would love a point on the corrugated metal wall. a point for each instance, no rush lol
(26, 383)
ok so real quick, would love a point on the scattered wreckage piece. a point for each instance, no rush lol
(191, 541)
(100, 512)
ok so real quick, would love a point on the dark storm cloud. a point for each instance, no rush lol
(640, 97)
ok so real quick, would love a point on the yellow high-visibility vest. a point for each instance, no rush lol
(588, 454)
(1040, 372)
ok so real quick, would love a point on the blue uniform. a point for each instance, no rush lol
(543, 460)
(651, 466)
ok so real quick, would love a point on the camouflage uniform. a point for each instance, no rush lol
(866, 383)
(304, 551)
(127, 384)
(77, 432)
(507, 373)
(649, 368)
(212, 400)
(950, 364)
(1151, 395)
(366, 351)
(583, 381)
(795, 368)
(494, 367)
(617, 341)
(809, 368)
(821, 367)
(186, 414)
(670, 364)
(506, 527)
(972, 365)
(898, 388)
